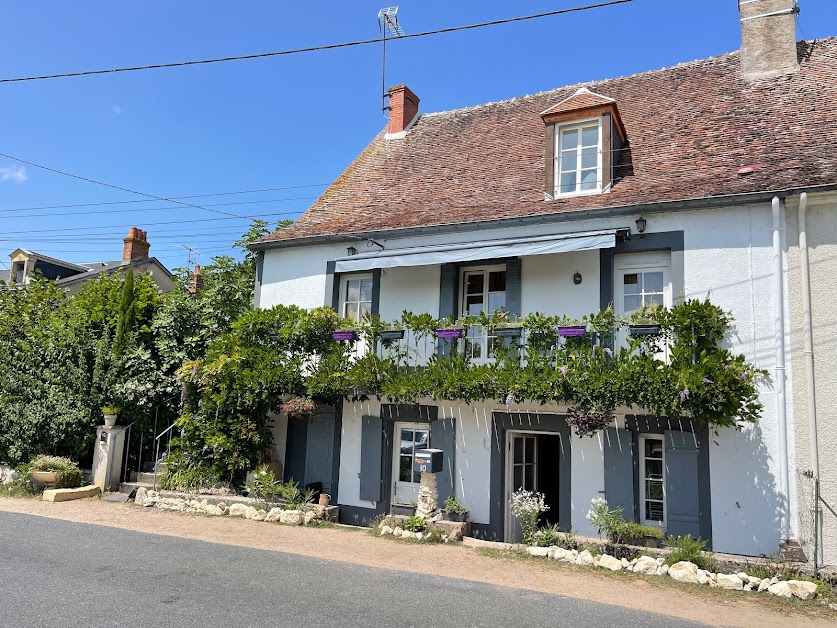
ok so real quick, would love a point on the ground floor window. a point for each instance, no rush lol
(652, 480)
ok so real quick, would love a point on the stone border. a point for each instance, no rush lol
(682, 571)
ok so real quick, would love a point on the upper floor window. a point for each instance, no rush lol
(355, 296)
(578, 160)
(483, 290)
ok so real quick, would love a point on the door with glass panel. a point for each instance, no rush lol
(641, 280)
(521, 473)
(408, 437)
(483, 290)
(652, 481)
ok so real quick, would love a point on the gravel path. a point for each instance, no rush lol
(458, 562)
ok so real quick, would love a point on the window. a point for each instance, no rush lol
(356, 297)
(652, 480)
(483, 290)
(17, 272)
(578, 158)
(641, 279)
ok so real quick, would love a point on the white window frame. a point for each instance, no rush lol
(344, 284)
(557, 155)
(628, 263)
(642, 499)
(464, 272)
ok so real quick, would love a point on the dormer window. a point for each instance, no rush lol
(578, 162)
(585, 139)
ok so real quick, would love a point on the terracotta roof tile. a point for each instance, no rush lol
(689, 127)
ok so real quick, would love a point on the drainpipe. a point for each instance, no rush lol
(808, 333)
(779, 335)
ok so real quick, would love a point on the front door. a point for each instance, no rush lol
(408, 438)
(521, 472)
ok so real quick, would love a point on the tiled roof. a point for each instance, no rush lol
(582, 99)
(689, 128)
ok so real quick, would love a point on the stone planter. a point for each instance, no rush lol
(392, 334)
(110, 419)
(47, 478)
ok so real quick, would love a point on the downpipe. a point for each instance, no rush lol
(779, 338)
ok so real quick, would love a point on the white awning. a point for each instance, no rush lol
(475, 251)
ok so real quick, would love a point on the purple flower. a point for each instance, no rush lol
(563, 370)
(182, 394)
(684, 394)
(609, 352)
(182, 433)
(509, 400)
(743, 376)
(194, 369)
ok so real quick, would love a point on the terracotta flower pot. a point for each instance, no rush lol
(47, 478)
(325, 498)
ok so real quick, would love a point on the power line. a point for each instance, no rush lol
(363, 42)
(115, 187)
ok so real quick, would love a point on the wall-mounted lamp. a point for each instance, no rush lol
(577, 278)
(351, 250)
(641, 223)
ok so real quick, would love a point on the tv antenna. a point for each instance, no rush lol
(387, 24)
(189, 252)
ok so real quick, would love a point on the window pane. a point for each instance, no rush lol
(589, 158)
(365, 307)
(654, 511)
(405, 469)
(353, 290)
(589, 179)
(473, 304)
(569, 160)
(654, 490)
(518, 477)
(653, 448)
(567, 182)
(569, 139)
(518, 450)
(497, 281)
(474, 283)
(654, 469)
(351, 311)
(631, 283)
(421, 439)
(653, 281)
(496, 301)
(529, 476)
(494, 345)
(365, 289)
(473, 348)
(654, 298)
(632, 303)
(590, 136)
(530, 450)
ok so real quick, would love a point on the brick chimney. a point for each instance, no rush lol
(135, 245)
(768, 38)
(196, 285)
(403, 108)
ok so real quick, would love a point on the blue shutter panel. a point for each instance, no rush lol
(371, 444)
(682, 496)
(619, 471)
(513, 287)
(443, 436)
(448, 300)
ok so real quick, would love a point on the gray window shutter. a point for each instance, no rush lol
(443, 436)
(619, 471)
(682, 495)
(448, 300)
(513, 289)
(371, 442)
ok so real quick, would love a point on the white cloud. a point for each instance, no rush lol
(13, 173)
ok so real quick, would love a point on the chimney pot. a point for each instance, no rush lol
(196, 285)
(135, 246)
(403, 108)
(768, 38)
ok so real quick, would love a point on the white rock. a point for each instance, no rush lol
(291, 517)
(419, 536)
(261, 515)
(139, 498)
(406, 534)
(634, 561)
(780, 589)
(775, 579)
(764, 585)
(273, 515)
(703, 577)
(250, 512)
(646, 565)
(538, 551)
(606, 561)
(585, 558)
(308, 517)
(684, 571)
(662, 570)
(754, 581)
(385, 530)
(729, 581)
(748, 587)
(179, 507)
(399, 531)
(661, 561)
(559, 553)
(744, 577)
(210, 509)
(802, 589)
(221, 509)
(237, 510)
(625, 564)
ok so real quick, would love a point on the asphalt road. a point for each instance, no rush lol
(69, 575)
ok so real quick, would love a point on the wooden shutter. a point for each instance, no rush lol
(443, 436)
(682, 495)
(619, 471)
(371, 445)
(549, 161)
(513, 286)
(448, 299)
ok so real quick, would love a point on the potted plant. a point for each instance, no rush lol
(643, 323)
(392, 334)
(299, 408)
(110, 412)
(509, 330)
(56, 471)
(571, 330)
(453, 332)
(454, 510)
(344, 334)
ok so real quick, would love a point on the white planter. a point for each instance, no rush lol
(110, 420)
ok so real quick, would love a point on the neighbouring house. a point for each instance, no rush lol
(672, 184)
(25, 264)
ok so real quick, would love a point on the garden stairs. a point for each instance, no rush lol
(144, 478)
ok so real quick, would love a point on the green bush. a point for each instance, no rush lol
(189, 479)
(68, 474)
(686, 548)
(454, 506)
(549, 536)
(415, 524)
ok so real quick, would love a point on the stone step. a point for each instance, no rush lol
(128, 487)
(148, 467)
(145, 477)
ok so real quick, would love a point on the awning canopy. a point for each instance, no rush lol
(475, 251)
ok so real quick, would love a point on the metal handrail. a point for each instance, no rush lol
(126, 451)
(157, 451)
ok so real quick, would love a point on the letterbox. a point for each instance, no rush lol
(427, 461)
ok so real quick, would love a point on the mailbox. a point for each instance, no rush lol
(427, 461)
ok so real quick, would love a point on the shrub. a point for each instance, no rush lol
(689, 549)
(20, 484)
(454, 506)
(618, 529)
(549, 536)
(415, 524)
(189, 479)
(68, 474)
(264, 486)
(527, 507)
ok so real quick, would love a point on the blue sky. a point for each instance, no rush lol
(279, 122)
